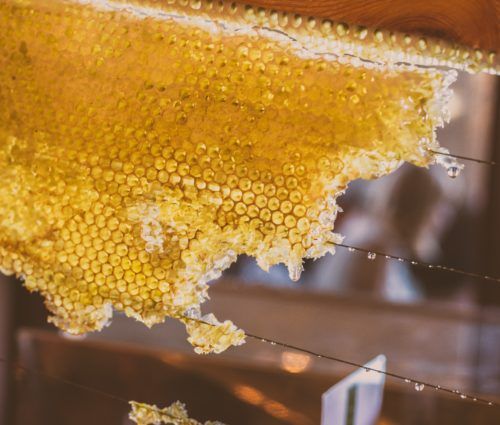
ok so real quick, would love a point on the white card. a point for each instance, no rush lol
(357, 399)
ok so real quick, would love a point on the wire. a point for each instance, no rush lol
(64, 381)
(81, 386)
(465, 158)
(419, 385)
(372, 255)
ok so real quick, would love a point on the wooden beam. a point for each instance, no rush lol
(471, 23)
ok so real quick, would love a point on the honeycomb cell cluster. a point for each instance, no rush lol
(175, 414)
(141, 151)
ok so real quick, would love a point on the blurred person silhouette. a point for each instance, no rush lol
(406, 214)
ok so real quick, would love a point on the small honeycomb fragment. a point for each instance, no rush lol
(175, 414)
(143, 149)
(208, 335)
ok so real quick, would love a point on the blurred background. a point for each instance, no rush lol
(432, 325)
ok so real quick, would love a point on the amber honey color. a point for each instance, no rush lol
(142, 151)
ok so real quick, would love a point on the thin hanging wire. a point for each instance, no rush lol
(63, 381)
(373, 254)
(465, 158)
(418, 385)
(81, 387)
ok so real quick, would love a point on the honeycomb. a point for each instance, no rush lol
(175, 414)
(142, 151)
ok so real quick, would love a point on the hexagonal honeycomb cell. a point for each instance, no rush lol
(143, 148)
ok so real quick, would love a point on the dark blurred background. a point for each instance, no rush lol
(432, 325)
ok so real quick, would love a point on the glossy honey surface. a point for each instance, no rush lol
(141, 151)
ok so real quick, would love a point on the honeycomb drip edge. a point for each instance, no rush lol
(141, 154)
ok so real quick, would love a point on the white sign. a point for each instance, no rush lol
(357, 399)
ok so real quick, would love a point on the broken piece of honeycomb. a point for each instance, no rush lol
(141, 151)
(175, 414)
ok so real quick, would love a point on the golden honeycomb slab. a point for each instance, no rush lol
(144, 147)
